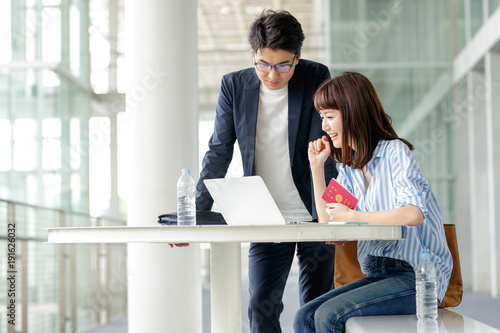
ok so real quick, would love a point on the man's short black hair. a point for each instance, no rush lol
(277, 30)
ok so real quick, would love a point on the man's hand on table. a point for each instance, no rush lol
(343, 243)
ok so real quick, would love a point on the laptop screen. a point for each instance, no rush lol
(244, 201)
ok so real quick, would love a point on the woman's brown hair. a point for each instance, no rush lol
(364, 121)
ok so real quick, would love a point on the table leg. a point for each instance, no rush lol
(225, 287)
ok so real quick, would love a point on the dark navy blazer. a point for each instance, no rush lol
(236, 119)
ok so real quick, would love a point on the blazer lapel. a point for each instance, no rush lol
(251, 108)
(295, 96)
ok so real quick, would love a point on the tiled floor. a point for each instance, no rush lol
(481, 307)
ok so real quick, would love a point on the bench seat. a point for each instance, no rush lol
(448, 321)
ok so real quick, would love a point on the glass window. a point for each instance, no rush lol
(50, 80)
(25, 148)
(52, 190)
(51, 34)
(5, 142)
(51, 128)
(32, 189)
(75, 190)
(74, 42)
(493, 5)
(75, 144)
(51, 144)
(51, 154)
(99, 165)
(28, 32)
(5, 32)
(476, 16)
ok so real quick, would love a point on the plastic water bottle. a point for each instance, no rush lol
(186, 207)
(425, 279)
(430, 326)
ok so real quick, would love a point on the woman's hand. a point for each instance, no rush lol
(339, 212)
(319, 151)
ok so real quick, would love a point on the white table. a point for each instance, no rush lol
(225, 251)
(448, 321)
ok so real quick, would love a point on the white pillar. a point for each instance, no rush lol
(492, 66)
(463, 167)
(164, 284)
(481, 274)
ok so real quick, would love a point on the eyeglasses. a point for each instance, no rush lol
(267, 68)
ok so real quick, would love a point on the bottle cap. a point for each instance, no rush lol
(425, 255)
(186, 170)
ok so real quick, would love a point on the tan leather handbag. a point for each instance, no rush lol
(347, 268)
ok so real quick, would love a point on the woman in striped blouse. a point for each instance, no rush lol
(379, 169)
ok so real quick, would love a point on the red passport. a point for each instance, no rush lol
(336, 193)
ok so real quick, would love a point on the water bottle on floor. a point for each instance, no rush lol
(426, 284)
(186, 207)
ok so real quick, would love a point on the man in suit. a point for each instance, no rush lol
(269, 109)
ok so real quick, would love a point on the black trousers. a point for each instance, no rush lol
(269, 267)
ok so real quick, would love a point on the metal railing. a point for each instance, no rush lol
(50, 288)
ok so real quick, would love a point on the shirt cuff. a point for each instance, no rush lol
(411, 197)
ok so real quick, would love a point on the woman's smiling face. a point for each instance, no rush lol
(331, 123)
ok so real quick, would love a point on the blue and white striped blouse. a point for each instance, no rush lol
(396, 182)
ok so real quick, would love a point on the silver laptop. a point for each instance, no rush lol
(245, 201)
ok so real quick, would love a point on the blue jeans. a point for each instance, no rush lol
(388, 289)
(269, 266)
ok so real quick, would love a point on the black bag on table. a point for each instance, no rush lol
(203, 217)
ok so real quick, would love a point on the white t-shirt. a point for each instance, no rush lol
(272, 156)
